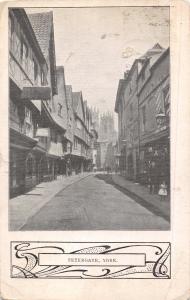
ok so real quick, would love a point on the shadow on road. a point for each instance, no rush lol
(153, 209)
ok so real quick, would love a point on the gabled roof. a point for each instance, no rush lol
(42, 24)
(27, 27)
(76, 98)
(119, 89)
(153, 54)
(155, 50)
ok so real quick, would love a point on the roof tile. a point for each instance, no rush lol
(41, 24)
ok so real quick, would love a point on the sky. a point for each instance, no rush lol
(97, 45)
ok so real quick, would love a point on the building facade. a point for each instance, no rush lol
(29, 93)
(154, 114)
(143, 108)
(50, 126)
(81, 152)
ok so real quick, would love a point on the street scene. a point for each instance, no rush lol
(89, 119)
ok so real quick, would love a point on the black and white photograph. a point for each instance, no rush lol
(89, 118)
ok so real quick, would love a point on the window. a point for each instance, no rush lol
(28, 122)
(75, 143)
(166, 97)
(24, 53)
(79, 124)
(30, 166)
(59, 112)
(13, 168)
(29, 130)
(131, 111)
(11, 31)
(35, 69)
(13, 108)
(28, 115)
(42, 78)
(130, 88)
(48, 104)
(53, 136)
(143, 118)
(143, 74)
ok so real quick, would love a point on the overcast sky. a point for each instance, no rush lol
(96, 45)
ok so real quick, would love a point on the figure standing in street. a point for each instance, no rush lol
(162, 191)
(153, 178)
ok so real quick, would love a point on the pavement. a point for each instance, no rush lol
(95, 202)
(23, 207)
(141, 194)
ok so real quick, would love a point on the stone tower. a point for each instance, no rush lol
(95, 118)
(106, 130)
(107, 136)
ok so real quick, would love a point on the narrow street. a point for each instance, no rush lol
(94, 203)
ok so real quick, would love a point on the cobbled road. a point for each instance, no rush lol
(94, 203)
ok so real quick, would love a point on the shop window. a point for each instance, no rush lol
(30, 166)
(13, 170)
(13, 110)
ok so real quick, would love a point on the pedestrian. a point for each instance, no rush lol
(153, 177)
(163, 191)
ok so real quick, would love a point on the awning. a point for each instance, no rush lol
(36, 93)
(20, 140)
(155, 137)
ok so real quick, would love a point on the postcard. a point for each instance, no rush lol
(95, 150)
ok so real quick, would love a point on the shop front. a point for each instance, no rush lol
(122, 161)
(22, 170)
(156, 150)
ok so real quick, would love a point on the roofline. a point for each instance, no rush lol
(125, 80)
(120, 85)
(161, 57)
(55, 88)
(23, 18)
(154, 66)
(146, 61)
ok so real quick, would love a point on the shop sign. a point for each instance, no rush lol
(43, 132)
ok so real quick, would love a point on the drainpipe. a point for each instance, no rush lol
(139, 145)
